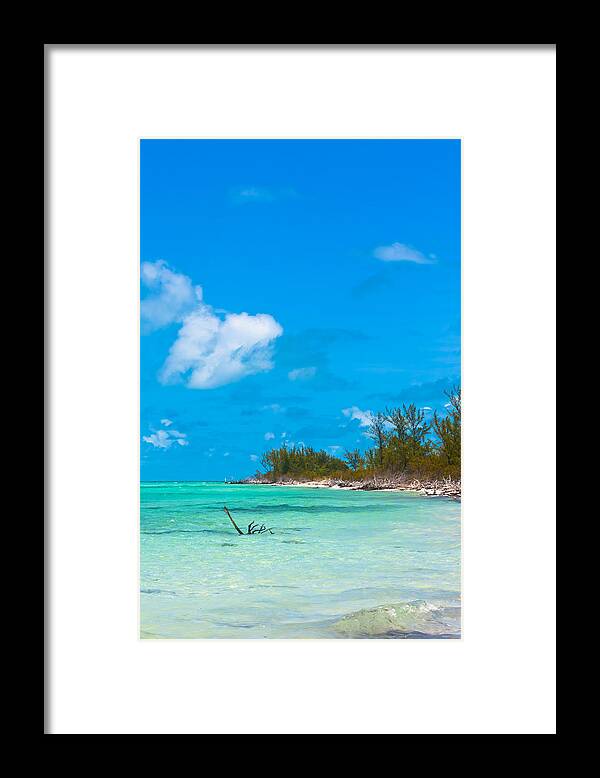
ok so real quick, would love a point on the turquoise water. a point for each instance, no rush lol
(338, 564)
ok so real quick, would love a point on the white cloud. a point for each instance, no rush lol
(173, 295)
(252, 194)
(160, 439)
(212, 348)
(166, 438)
(302, 373)
(269, 435)
(275, 407)
(254, 457)
(211, 352)
(259, 194)
(364, 418)
(166, 422)
(400, 252)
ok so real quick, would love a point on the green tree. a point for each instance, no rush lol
(354, 459)
(448, 428)
(417, 428)
(396, 418)
(402, 443)
(378, 434)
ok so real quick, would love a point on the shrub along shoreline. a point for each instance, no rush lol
(407, 453)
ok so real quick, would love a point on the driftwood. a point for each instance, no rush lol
(253, 528)
(233, 522)
(447, 487)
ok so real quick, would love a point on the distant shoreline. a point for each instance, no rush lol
(431, 488)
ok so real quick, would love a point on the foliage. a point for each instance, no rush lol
(447, 429)
(404, 444)
(354, 459)
(302, 462)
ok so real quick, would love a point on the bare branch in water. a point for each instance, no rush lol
(232, 521)
(253, 528)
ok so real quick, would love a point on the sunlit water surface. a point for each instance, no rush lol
(339, 564)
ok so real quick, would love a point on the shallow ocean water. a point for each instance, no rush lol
(339, 564)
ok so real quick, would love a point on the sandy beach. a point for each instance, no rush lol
(436, 488)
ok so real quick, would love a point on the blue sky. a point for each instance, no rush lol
(289, 289)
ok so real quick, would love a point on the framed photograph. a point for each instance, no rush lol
(300, 457)
(291, 341)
